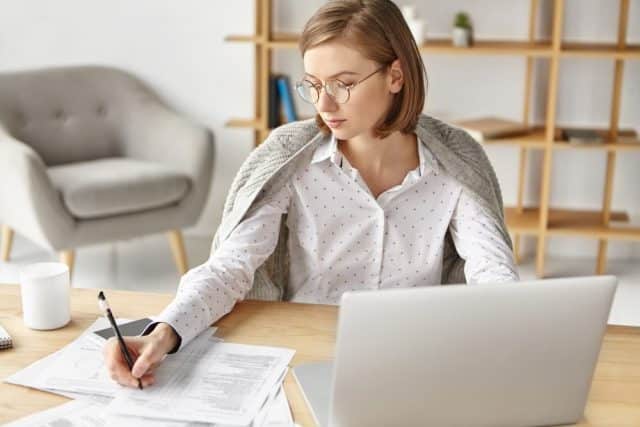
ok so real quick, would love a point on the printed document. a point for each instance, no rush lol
(222, 383)
(88, 413)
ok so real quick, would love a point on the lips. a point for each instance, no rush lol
(333, 122)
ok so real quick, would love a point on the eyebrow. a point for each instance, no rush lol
(334, 75)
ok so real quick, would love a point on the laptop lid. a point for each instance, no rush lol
(519, 354)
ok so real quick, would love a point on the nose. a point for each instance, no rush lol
(325, 102)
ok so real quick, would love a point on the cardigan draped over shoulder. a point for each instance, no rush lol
(271, 164)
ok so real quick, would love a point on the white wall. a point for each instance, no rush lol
(178, 48)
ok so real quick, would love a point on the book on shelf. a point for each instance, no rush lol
(582, 136)
(274, 102)
(597, 136)
(484, 128)
(281, 105)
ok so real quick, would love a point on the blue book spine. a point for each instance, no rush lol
(284, 90)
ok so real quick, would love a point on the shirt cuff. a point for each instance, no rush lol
(151, 326)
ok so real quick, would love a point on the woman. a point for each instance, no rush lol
(370, 194)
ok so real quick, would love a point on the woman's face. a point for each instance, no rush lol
(369, 100)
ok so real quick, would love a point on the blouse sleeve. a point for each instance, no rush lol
(210, 290)
(478, 240)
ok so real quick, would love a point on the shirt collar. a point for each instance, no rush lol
(328, 150)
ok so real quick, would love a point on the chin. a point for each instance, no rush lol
(344, 133)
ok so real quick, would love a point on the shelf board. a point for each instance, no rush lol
(528, 221)
(488, 47)
(445, 46)
(597, 231)
(534, 139)
(480, 47)
(284, 40)
(619, 145)
(600, 50)
(250, 38)
(572, 223)
(244, 123)
(627, 141)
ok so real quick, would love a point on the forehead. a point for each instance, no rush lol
(331, 58)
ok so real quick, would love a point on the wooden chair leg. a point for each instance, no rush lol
(179, 253)
(7, 242)
(69, 258)
(601, 267)
(516, 249)
(540, 256)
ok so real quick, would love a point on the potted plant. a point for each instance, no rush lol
(462, 30)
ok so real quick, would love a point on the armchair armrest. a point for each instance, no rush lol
(28, 201)
(155, 133)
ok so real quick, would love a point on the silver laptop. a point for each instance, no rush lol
(519, 354)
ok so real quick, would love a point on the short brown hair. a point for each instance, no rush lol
(378, 30)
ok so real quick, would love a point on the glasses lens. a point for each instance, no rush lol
(338, 91)
(307, 91)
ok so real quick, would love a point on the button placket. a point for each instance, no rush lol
(380, 240)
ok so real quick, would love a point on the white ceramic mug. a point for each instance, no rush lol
(44, 288)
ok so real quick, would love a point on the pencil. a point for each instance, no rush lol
(104, 306)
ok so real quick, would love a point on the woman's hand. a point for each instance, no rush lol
(146, 351)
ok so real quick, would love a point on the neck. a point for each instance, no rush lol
(367, 153)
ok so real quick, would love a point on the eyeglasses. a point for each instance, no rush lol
(337, 90)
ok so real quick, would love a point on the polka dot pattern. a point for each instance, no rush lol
(342, 238)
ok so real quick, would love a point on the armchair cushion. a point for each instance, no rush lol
(112, 186)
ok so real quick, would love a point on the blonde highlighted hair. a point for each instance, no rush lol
(377, 29)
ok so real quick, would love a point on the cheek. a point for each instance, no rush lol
(362, 113)
(369, 106)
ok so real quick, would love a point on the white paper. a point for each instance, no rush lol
(80, 368)
(221, 383)
(37, 374)
(279, 414)
(87, 413)
(77, 370)
(77, 413)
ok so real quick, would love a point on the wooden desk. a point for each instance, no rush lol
(309, 329)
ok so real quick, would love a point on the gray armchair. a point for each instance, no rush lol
(89, 155)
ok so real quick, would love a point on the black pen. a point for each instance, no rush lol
(104, 306)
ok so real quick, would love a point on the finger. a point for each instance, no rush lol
(123, 379)
(122, 374)
(148, 359)
(147, 380)
(112, 355)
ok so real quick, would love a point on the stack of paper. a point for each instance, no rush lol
(208, 383)
(89, 413)
(81, 360)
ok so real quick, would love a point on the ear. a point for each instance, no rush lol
(396, 77)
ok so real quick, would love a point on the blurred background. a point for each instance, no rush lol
(210, 63)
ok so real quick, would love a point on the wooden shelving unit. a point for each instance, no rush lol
(542, 221)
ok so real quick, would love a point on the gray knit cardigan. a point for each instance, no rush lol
(270, 165)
